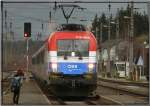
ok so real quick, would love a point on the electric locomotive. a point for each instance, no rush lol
(71, 61)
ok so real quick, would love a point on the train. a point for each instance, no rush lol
(67, 62)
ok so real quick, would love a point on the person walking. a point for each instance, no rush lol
(16, 86)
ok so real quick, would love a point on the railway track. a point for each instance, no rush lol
(129, 89)
(123, 95)
(106, 96)
(130, 83)
(54, 100)
(81, 101)
(98, 100)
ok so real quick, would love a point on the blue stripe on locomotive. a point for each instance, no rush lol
(73, 68)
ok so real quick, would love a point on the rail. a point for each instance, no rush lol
(125, 82)
(134, 90)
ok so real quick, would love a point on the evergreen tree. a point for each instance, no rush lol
(104, 30)
(94, 24)
(141, 25)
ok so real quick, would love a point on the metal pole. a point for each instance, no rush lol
(127, 53)
(97, 34)
(117, 32)
(27, 57)
(6, 23)
(2, 39)
(2, 50)
(147, 54)
(108, 63)
(143, 59)
(50, 16)
(101, 32)
(117, 25)
(131, 41)
(117, 37)
(5, 41)
(11, 42)
(101, 40)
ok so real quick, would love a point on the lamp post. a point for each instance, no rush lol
(117, 37)
(131, 35)
(128, 35)
(131, 65)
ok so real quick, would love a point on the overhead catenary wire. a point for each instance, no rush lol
(54, 1)
(29, 17)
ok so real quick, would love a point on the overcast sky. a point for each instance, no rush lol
(18, 13)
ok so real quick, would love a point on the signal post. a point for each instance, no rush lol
(27, 35)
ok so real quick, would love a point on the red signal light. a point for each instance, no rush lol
(25, 35)
(27, 29)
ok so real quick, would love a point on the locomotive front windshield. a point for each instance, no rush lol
(79, 47)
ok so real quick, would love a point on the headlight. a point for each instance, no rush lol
(54, 67)
(91, 66)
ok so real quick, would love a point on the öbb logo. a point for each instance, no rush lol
(72, 66)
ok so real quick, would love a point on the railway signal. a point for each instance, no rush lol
(27, 29)
(27, 35)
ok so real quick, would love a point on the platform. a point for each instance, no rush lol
(30, 94)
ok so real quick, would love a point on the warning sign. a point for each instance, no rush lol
(140, 61)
